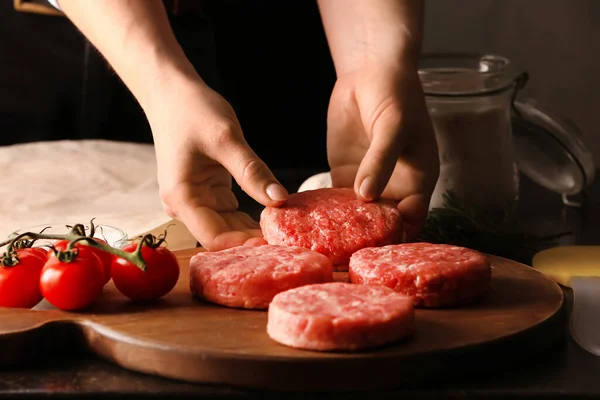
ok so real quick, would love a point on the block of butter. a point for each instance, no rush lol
(577, 267)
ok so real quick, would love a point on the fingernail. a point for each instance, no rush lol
(368, 188)
(277, 192)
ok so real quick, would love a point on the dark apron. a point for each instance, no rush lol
(269, 58)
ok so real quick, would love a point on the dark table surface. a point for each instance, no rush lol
(564, 371)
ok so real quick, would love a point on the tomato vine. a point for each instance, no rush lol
(76, 234)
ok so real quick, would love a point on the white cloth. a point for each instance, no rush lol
(318, 181)
(68, 182)
(54, 3)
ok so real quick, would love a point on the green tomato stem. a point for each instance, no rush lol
(77, 234)
(134, 258)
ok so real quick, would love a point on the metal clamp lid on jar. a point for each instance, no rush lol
(549, 149)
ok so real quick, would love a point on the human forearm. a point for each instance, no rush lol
(136, 39)
(379, 136)
(199, 143)
(378, 31)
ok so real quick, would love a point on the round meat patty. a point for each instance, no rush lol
(435, 275)
(333, 222)
(339, 316)
(249, 277)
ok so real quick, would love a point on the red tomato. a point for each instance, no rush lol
(105, 257)
(160, 277)
(36, 251)
(73, 285)
(20, 284)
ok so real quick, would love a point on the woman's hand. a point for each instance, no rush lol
(199, 142)
(199, 146)
(380, 140)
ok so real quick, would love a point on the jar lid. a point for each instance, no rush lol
(455, 75)
(550, 150)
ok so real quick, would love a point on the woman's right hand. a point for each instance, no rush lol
(199, 147)
(198, 139)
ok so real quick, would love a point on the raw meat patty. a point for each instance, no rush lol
(249, 277)
(339, 316)
(435, 275)
(333, 222)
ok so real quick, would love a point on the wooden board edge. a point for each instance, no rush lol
(306, 375)
(51, 339)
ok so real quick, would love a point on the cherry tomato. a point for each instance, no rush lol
(36, 251)
(160, 277)
(105, 257)
(20, 284)
(73, 285)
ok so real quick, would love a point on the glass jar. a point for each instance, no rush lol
(487, 137)
(469, 101)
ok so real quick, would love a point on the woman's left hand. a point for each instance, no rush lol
(380, 139)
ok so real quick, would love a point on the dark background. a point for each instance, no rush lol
(274, 67)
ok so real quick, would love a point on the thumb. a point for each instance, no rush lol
(251, 173)
(379, 162)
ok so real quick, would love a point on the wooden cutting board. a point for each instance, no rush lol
(183, 338)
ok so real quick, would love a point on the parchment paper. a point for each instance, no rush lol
(68, 182)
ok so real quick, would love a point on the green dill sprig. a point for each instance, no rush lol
(489, 232)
